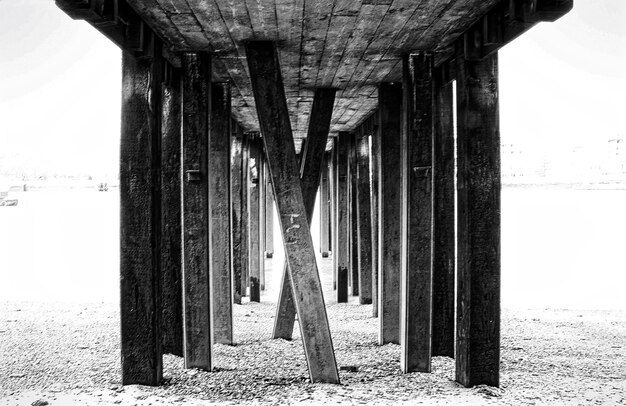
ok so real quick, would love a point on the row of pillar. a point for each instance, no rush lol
(177, 283)
(393, 199)
(195, 211)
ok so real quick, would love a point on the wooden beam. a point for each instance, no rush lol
(334, 189)
(273, 116)
(343, 217)
(269, 216)
(374, 131)
(220, 212)
(325, 226)
(196, 74)
(478, 213)
(171, 244)
(239, 194)
(389, 211)
(311, 162)
(119, 22)
(140, 222)
(262, 192)
(417, 213)
(354, 233)
(254, 217)
(364, 229)
(444, 238)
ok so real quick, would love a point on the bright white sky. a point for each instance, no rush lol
(561, 83)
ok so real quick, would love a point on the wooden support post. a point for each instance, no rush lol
(140, 221)
(245, 214)
(334, 189)
(254, 218)
(239, 194)
(443, 221)
(343, 217)
(375, 203)
(478, 213)
(196, 75)
(325, 209)
(273, 116)
(354, 220)
(417, 213)
(262, 193)
(171, 254)
(269, 215)
(220, 212)
(310, 167)
(364, 229)
(390, 203)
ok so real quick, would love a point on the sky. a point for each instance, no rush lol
(560, 84)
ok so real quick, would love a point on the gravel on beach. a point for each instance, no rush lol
(68, 353)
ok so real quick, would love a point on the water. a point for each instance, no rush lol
(561, 248)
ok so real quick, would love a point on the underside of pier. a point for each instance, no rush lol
(233, 107)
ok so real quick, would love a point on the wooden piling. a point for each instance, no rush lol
(196, 71)
(417, 213)
(273, 116)
(254, 218)
(311, 162)
(343, 219)
(443, 221)
(140, 221)
(364, 229)
(220, 212)
(478, 213)
(325, 233)
(239, 195)
(334, 180)
(171, 243)
(354, 220)
(389, 209)
(269, 216)
(374, 131)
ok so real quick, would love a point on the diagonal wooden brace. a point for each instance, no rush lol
(311, 161)
(273, 116)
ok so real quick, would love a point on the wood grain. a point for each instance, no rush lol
(196, 76)
(278, 140)
(478, 213)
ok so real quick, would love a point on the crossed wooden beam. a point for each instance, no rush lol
(294, 191)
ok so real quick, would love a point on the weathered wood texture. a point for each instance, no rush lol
(311, 162)
(343, 217)
(354, 220)
(334, 189)
(374, 130)
(417, 213)
(389, 211)
(364, 229)
(351, 46)
(269, 216)
(196, 76)
(254, 218)
(325, 210)
(239, 195)
(220, 212)
(140, 222)
(443, 221)
(278, 139)
(478, 213)
(171, 244)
